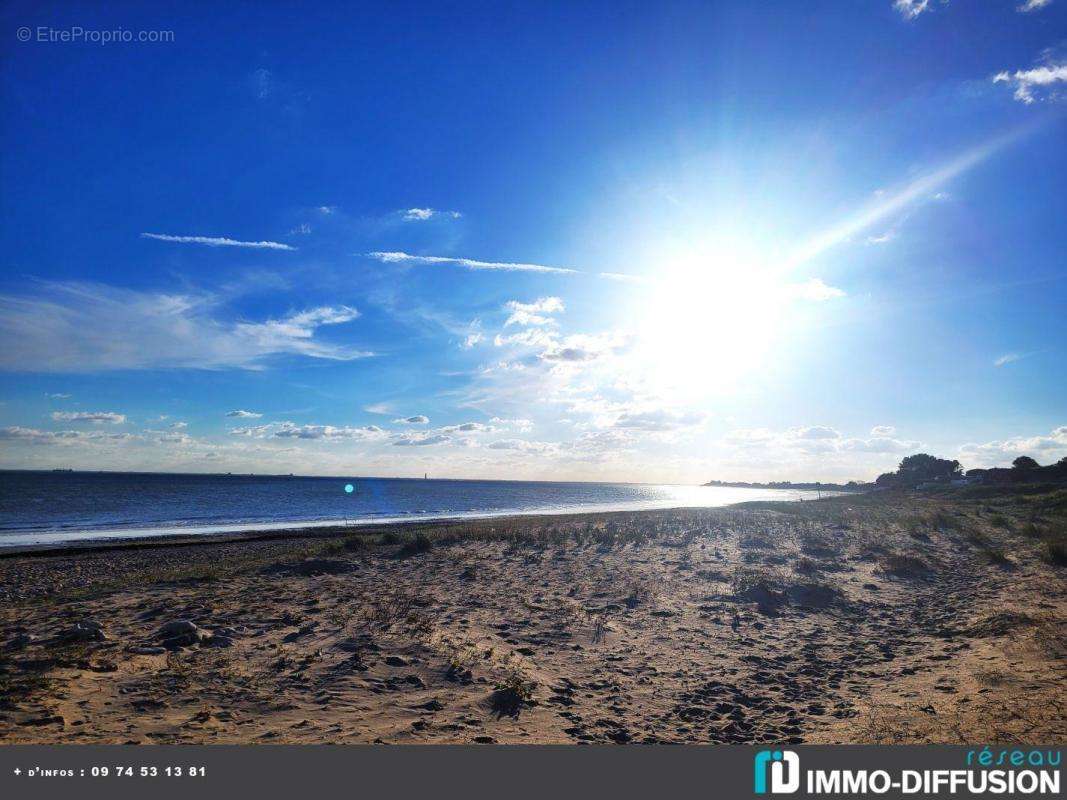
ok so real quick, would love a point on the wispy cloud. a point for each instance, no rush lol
(1032, 5)
(423, 214)
(888, 203)
(472, 339)
(418, 419)
(378, 408)
(399, 257)
(96, 417)
(216, 241)
(242, 414)
(884, 238)
(469, 263)
(1010, 358)
(910, 9)
(262, 83)
(88, 327)
(58, 396)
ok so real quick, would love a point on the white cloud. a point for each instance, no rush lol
(572, 354)
(1045, 448)
(815, 289)
(884, 238)
(533, 313)
(910, 9)
(96, 417)
(520, 424)
(168, 437)
(14, 432)
(257, 431)
(469, 263)
(1039, 83)
(418, 419)
(378, 408)
(467, 427)
(1032, 5)
(524, 446)
(460, 434)
(421, 440)
(327, 210)
(58, 396)
(471, 339)
(878, 444)
(242, 414)
(603, 443)
(84, 327)
(422, 214)
(821, 439)
(582, 347)
(35, 436)
(217, 241)
(530, 337)
(179, 425)
(288, 430)
(659, 420)
(815, 432)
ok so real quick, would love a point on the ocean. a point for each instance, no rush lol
(60, 507)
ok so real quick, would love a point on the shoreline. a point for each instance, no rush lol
(65, 541)
(300, 532)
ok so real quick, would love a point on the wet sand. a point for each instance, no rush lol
(874, 618)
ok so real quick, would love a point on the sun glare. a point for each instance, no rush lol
(713, 314)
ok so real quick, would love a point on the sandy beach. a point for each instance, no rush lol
(881, 617)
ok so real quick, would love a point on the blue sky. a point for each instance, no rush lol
(594, 241)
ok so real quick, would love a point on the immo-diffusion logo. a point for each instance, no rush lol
(784, 767)
(1011, 772)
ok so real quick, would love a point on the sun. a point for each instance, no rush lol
(712, 315)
